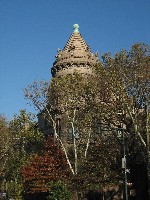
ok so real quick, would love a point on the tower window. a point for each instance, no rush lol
(103, 130)
(70, 134)
(76, 134)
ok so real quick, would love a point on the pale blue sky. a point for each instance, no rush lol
(32, 30)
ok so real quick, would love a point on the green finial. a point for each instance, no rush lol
(76, 26)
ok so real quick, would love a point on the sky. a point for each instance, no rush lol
(31, 31)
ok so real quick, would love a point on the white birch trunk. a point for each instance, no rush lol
(87, 144)
(60, 141)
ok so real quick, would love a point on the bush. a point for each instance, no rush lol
(59, 191)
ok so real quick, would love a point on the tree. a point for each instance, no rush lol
(62, 98)
(71, 102)
(6, 141)
(22, 141)
(101, 169)
(45, 168)
(127, 76)
(59, 191)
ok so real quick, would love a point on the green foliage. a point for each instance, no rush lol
(25, 130)
(102, 166)
(26, 140)
(21, 139)
(128, 78)
(14, 190)
(5, 148)
(59, 191)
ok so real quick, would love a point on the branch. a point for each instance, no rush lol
(133, 120)
(87, 144)
(147, 127)
(135, 126)
(59, 139)
(74, 142)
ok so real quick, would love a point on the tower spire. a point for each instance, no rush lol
(76, 56)
(76, 27)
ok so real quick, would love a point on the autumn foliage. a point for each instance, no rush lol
(45, 168)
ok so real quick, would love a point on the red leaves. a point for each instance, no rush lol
(49, 166)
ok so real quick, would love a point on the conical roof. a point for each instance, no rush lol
(76, 43)
(76, 56)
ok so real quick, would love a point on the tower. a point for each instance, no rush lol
(76, 56)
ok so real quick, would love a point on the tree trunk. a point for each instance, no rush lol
(148, 172)
(140, 181)
(74, 195)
